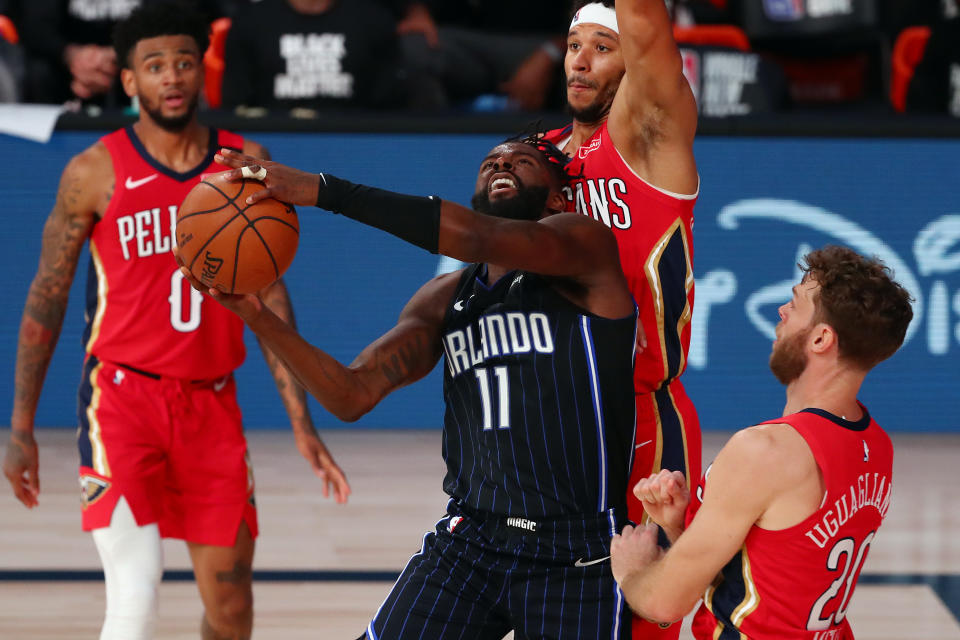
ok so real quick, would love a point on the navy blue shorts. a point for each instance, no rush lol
(477, 577)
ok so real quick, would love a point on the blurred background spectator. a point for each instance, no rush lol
(741, 57)
(11, 54)
(68, 50)
(935, 86)
(287, 54)
(469, 48)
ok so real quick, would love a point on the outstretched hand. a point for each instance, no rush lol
(665, 497)
(282, 182)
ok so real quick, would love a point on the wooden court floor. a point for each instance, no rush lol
(323, 569)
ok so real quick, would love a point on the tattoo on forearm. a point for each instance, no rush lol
(277, 299)
(63, 238)
(405, 359)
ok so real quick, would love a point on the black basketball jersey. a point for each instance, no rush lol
(540, 412)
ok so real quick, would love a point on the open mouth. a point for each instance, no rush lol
(502, 184)
(174, 100)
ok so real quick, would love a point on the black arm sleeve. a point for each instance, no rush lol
(414, 219)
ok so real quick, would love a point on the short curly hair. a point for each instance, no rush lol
(858, 298)
(174, 18)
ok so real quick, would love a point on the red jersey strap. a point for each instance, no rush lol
(808, 422)
(229, 140)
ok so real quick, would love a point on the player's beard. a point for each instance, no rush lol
(597, 110)
(788, 359)
(173, 124)
(528, 204)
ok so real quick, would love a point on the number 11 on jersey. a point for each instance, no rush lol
(503, 397)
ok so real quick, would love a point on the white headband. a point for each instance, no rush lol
(596, 13)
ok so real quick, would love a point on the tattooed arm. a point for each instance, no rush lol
(277, 299)
(83, 184)
(403, 355)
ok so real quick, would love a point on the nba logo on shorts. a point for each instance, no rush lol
(784, 10)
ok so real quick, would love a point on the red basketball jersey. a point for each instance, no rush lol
(796, 583)
(140, 311)
(654, 231)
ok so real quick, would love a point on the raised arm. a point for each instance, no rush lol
(653, 118)
(66, 229)
(403, 355)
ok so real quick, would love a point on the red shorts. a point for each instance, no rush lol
(668, 437)
(174, 449)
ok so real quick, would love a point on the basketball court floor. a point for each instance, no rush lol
(322, 569)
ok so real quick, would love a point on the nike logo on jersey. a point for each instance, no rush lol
(459, 304)
(642, 444)
(218, 386)
(581, 563)
(133, 184)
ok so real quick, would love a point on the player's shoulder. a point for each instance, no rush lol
(774, 450)
(429, 304)
(255, 149)
(92, 168)
(442, 287)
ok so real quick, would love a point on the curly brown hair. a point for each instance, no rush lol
(858, 298)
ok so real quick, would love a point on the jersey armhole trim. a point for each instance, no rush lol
(676, 196)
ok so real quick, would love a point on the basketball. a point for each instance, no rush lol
(230, 245)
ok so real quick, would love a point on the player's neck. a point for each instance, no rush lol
(832, 389)
(180, 151)
(494, 273)
(582, 131)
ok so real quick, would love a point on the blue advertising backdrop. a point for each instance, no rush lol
(764, 202)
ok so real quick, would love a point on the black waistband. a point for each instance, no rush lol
(154, 376)
(157, 376)
(603, 523)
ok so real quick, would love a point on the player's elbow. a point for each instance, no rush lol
(349, 408)
(657, 607)
(352, 404)
(351, 413)
(659, 611)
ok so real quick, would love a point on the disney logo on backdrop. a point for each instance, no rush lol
(936, 253)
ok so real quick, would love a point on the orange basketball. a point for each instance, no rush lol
(230, 245)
